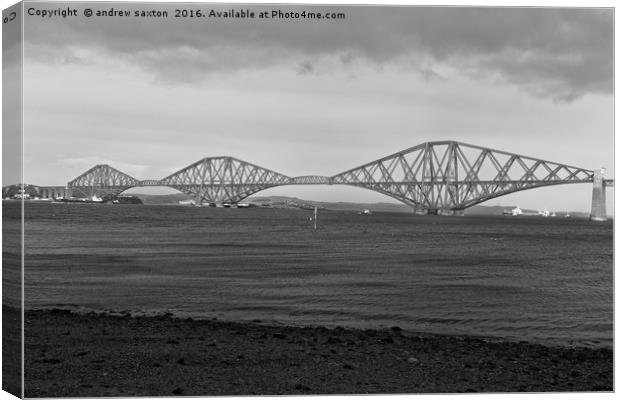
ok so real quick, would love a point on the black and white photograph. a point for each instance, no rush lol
(257, 199)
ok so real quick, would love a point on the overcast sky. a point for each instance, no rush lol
(150, 96)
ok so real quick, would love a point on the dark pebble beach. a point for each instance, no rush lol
(94, 354)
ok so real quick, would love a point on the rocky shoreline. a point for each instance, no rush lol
(95, 354)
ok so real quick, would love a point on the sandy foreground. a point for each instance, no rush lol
(94, 354)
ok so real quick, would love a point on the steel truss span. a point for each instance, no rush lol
(449, 175)
(101, 181)
(430, 177)
(223, 180)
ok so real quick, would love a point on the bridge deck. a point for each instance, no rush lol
(432, 176)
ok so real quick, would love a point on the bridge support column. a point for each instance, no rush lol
(599, 212)
(417, 210)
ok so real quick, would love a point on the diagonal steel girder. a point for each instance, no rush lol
(101, 181)
(450, 175)
(442, 175)
(223, 180)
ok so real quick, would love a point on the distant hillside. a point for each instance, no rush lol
(498, 210)
(344, 206)
(162, 199)
(488, 210)
(294, 202)
(12, 190)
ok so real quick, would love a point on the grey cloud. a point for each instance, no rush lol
(561, 54)
(305, 68)
(347, 58)
(71, 60)
(428, 73)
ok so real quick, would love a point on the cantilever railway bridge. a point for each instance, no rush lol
(432, 177)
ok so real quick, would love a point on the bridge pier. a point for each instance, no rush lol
(434, 178)
(434, 211)
(599, 211)
(52, 192)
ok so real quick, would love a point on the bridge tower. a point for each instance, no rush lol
(599, 212)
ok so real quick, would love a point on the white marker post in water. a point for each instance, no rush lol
(315, 218)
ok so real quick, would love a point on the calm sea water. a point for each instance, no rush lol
(545, 280)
